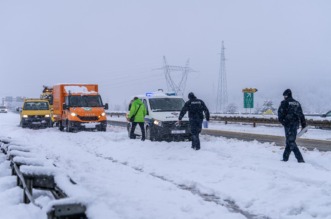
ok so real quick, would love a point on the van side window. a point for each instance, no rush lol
(145, 103)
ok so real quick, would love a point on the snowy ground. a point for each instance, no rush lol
(123, 178)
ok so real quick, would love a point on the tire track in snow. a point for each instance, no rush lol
(229, 204)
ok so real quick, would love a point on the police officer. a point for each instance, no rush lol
(290, 115)
(195, 108)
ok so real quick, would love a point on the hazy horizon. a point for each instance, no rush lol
(270, 45)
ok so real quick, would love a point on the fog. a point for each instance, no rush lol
(270, 45)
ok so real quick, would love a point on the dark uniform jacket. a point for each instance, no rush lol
(290, 113)
(195, 108)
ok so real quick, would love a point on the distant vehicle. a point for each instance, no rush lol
(162, 115)
(3, 109)
(79, 107)
(328, 114)
(35, 113)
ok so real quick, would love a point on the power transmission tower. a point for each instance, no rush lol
(179, 86)
(222, 90)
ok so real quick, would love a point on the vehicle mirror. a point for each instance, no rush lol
(106, 106)
(324, 115)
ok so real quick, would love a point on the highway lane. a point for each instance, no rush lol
(310, 144)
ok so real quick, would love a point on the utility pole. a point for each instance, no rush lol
(179, 86)
(222, 90)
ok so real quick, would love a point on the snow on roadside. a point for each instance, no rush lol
(133, 179)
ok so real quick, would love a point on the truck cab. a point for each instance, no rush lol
(161, 121)
(79, 107)
(35, 113)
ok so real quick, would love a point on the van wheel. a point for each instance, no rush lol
(148, 134)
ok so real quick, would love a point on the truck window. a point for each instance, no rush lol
(85, 101)
(166, 104)
(36, 106)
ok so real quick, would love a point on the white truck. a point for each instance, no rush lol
(162, 115)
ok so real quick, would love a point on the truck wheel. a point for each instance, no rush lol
(22, 125)
(60, 126)
(68, 129)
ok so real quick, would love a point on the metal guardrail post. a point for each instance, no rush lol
(27, 188)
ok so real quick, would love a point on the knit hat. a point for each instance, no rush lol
(191, 96)
(287, 93)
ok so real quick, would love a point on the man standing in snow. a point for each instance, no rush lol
(290, 115)
(138, 111)
(195, 108)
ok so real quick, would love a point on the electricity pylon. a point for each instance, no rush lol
(222, 90)
(179, 86)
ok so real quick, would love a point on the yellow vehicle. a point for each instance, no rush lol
(35, 113)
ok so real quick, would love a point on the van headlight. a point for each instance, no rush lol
(25, 116)
(157, 122)
(103, 114)
(73, 114)
(47, 116)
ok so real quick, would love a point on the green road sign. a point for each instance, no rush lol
(248, 100)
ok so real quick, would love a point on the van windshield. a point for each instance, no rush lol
(85, 101)
(166, 104)
(36, 106)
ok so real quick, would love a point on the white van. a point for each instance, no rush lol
(162, 115)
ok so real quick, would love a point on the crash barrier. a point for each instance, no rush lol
(323, 124)
(254, 120)
(33, 172)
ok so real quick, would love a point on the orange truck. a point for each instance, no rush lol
(78, 107)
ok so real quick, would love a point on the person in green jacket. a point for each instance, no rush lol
(138, 110)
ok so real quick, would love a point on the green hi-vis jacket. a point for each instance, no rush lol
(140, 115)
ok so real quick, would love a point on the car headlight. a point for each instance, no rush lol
(25, 116)
(103, 114)
(157, 122)
(73, 114)
(46, 116)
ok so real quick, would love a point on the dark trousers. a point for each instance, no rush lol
(291, 135)
(196, 126)
(134, 124)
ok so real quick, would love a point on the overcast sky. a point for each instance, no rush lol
(270, 44)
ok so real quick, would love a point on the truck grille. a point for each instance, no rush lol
(88, 118)
(36, 117)
(172, 124)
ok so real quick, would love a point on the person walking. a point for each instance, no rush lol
(137, 114)
(195, 108)
(290, 115)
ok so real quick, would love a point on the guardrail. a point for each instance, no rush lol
(325, 124)
(34, 173)
(321, 124)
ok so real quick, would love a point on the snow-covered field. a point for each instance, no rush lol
(122, 178)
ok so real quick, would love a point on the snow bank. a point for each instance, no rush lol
(77, 89)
